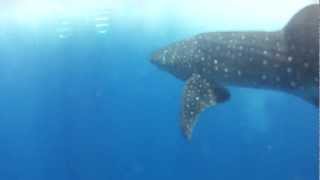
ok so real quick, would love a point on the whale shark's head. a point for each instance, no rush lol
(178, 58)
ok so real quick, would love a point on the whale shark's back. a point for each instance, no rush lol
(302, 33)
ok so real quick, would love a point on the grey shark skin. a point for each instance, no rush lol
(284, 60)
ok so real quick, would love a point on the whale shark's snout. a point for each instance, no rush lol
(176, 59)
(159, 58)
(167, 59)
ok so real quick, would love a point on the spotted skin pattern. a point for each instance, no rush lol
(286, 60)
(199, 95)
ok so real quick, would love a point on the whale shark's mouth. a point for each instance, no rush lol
(161, 59)
(166, 59)
(155, 58)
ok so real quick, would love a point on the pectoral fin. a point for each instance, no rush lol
(198, 95)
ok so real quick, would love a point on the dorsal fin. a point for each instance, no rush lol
(302, 31)
(305, 17)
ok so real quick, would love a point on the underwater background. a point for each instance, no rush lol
(80, 100)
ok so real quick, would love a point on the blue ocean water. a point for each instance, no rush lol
(91, 106)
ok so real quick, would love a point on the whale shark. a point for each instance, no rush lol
(285, 60)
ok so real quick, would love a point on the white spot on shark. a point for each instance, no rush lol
(267, 38)
(265, 62)
(276, 65)
(264, 77)
(293, 84)
(163, 59)
(311, 51)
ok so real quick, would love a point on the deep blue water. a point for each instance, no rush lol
(93, 107)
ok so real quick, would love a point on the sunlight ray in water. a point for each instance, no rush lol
(34, 13)
(64, 30)
(102, 21)
(65, 17)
